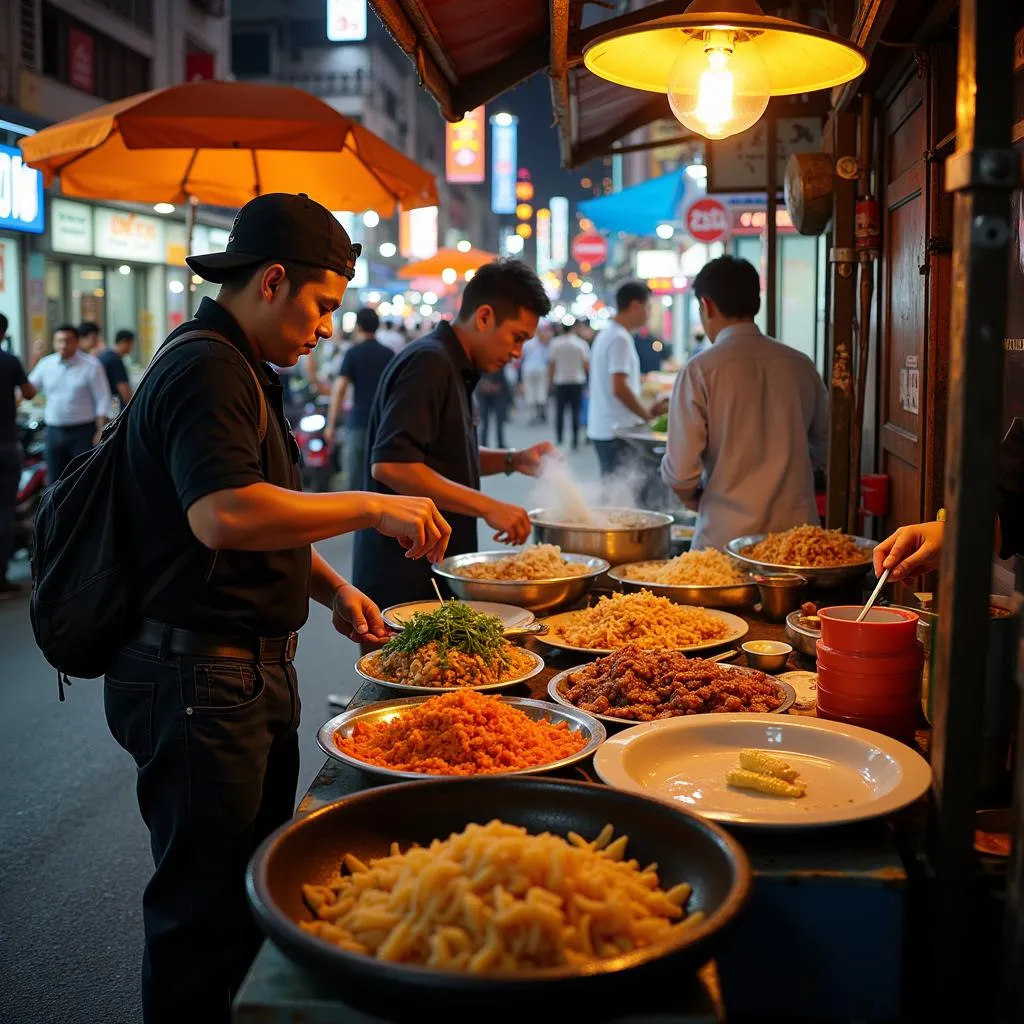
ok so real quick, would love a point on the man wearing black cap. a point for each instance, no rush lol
(205, 697)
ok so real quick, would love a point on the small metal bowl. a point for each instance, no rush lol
(535, 595)
(385, 711)
(767, 661)
(780, 593)
(803, 637)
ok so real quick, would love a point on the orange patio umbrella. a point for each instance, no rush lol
(224, 143)
(445, 259)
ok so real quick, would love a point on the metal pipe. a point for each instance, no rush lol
(982, 174)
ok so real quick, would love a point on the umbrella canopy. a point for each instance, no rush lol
(223, 143)
(443, 259)
(639, 210)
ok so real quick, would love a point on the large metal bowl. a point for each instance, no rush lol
(649, 539)
(686, 848)
(536, 595)
(736, 595)
(388, 710)
(834, 576)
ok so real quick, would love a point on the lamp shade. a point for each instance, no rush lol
(642, 54)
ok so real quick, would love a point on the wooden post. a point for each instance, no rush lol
(844, 282)
(770, 233)
(982, 174)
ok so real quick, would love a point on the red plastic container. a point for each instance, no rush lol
(869, 673)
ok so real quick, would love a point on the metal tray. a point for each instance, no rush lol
(789, 698)
(803, 639)
(397, 615)
(833, 576)
(387, 710)
(536, 595)
(737, 595)
(435, 690)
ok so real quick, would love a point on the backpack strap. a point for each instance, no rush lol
(182, 339)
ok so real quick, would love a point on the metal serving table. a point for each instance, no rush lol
(822, 937)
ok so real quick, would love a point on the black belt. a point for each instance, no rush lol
(167, 639)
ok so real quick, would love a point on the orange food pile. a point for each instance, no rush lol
(461, 733)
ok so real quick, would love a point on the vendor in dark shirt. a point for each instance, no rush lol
(113, 362)
(361, 369)
(421, 437)
(205, 697)
(915, 550)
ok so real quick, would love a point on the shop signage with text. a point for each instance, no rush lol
(21, 193)
(464, 149)
(591, 248)
(70, 227)
(707, 220)
(80, 69)
(504, 155)
(346, 21)
(120, 235)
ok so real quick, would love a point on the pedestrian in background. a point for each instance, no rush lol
(112, 360)
(534, 370)
(90, 340)
(568, 365)
(77, 400)
(390, 336)
(493, 398)
(361, 369)
(14, 386)
(615, 378)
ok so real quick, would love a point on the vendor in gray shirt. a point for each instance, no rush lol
(748, 421)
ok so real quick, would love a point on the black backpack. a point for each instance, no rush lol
(85, 606)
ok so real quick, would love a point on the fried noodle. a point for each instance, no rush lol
(537, 562)
(808, 546)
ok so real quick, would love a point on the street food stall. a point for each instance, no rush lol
(811, 834)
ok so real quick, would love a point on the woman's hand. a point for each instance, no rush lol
(910, 551)
(356, 617)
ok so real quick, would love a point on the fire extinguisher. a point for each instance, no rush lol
(868, 225)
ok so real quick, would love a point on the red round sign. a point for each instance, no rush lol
(590, 247)
(707, 220)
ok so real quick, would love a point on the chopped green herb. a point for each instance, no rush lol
(453, 627)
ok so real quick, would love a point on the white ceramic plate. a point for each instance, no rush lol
(398, 615)
(362, 669)
(737, 628)
(851, 774)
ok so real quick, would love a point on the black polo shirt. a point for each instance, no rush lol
(193, 430)
(422, 412)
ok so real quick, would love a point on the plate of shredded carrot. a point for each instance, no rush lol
(460, 733)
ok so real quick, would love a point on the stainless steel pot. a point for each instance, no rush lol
(645, 537)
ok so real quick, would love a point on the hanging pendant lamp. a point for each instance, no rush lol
(720, 61)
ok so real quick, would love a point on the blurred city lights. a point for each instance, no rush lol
(163, 208)
(503, 118)
(524, 230)
(426, 310)
(371, 218)
(664, 231)
(449, 275)
(430, 298)
(586, 287)
(388, 249)
(348, 321)
(463, 246)
(469, 275)
(514, 245)
(373, 297)
(124, 269)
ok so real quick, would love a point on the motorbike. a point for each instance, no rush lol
(32, 484)
(307, 414)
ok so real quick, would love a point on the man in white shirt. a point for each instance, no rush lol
(77, 400)
(389, 335)
(748, 420)
(534, 370)
(615, 378)
(568, 363)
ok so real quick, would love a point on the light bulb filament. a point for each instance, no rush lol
(714, 93)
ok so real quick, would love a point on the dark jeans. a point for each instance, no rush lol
(10, 475)
(64, 444)
(217, 752)
(568, 396)
(355, 458)
(611, 455)
(495, 406)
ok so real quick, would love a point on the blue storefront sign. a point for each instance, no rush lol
(503, 164)
(21, 193)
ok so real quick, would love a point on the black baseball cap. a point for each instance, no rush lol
(280, 226)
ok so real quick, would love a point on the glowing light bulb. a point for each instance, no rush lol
(719, 84)
(449, 275)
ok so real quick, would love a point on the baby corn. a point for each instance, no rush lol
(762, 783)
(763, 762)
